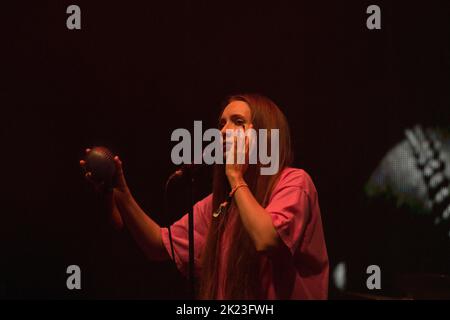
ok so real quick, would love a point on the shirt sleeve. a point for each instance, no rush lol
(293, 206)
(180, 237)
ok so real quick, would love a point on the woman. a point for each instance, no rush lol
(268, 243)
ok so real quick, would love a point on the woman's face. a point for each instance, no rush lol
(235, 116)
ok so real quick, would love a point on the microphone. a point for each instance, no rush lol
(100, 163)
(185, 170)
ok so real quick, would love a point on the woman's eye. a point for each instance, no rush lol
(239, 122)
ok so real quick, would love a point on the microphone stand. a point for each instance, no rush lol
(191, 237)
(191, 266)
(166, 211)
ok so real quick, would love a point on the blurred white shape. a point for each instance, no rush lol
(441, 195)
(434, 164)
(411, 171)
(428, 171)
(438, 197)
(436, 179)
(340, 276)
(437, 220)
(446, 213)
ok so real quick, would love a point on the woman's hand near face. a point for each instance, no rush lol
(235, 169)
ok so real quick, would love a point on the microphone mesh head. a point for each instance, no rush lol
(100, 162)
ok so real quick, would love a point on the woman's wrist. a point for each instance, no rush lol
(123, 197)
(235, 180)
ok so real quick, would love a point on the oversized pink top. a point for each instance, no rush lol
(299, 270)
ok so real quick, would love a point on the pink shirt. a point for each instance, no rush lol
(298, 270)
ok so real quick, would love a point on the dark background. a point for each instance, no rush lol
(138, 70)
